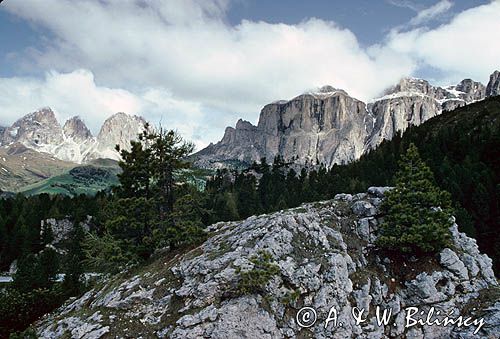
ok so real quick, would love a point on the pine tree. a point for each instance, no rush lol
(417, 213)
(74, 260)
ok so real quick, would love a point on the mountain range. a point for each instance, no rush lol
(329, 126)
(325, 126)
(37, 147)
(73, 141)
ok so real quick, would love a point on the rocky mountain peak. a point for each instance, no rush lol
(493, 87)
(118, 129)
(472, 90)
(243, 124)
(44, 117)
(76, 129)
(329, 126)
(39, 130)
(327, 89)
(411, 85)
(122, 125)
(74, 142)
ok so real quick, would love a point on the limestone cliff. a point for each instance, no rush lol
(330, 127)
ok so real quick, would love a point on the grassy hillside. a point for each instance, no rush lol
(101, 175)
(79, 180)
(20, 166)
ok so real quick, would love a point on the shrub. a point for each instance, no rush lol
(255, 280)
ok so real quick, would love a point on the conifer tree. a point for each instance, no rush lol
(74, 260)
(417, 213)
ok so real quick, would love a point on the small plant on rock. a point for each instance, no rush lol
(254, 280)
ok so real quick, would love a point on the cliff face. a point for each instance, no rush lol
(493, 87)
(331, 127)
(325, 259)
(327, 126)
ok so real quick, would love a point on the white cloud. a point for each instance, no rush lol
(76, 93)
(465, 47)
(431, 13)
(187, 48)
(180, 57)
(404, 4)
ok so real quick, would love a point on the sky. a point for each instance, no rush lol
(198, 66)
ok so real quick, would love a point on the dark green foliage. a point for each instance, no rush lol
(255, 280)
(19, 309)
(462, 148)
(28, 333)
(73, 261)
(20, 220)
(36, 270)
(108, 254)
(34, 290)
(148, 210)
(417, 214)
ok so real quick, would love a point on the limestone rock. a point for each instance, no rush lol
(493, 87)
(321, 250)
(327, 127)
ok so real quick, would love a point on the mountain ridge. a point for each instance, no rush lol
(329, 126)
(73, 142)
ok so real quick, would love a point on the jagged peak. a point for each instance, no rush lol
(43, 116)
(124, 116)
(41, 112)
(75, 127)
(493, 87)
(244, 124)
(409, 85)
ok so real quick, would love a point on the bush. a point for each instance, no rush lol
(255, 280)
(19, 309)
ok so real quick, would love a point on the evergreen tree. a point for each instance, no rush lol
(74, 260)
(417, 213)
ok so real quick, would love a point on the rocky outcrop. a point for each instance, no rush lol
(74, 142)
(330, 127)
(61, 229)
(493, 87)
(472, 90)
(325, 258)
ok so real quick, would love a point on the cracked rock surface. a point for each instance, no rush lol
(326, 258)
